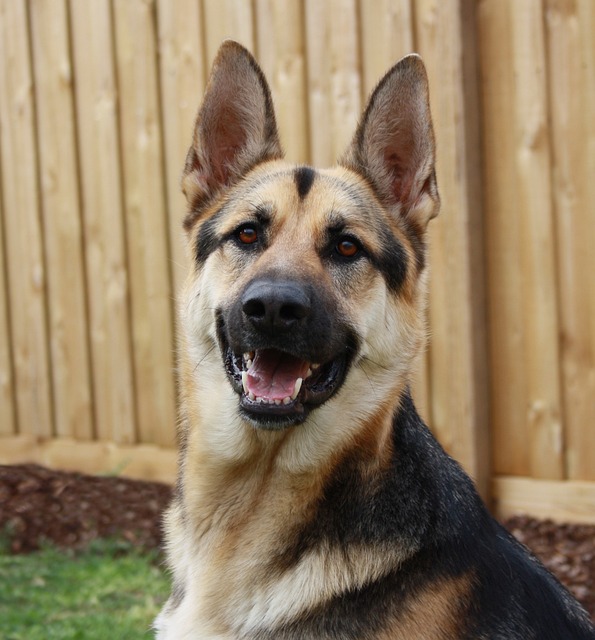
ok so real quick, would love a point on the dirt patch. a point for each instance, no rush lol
(39, 505)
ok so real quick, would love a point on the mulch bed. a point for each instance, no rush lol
(39, 505)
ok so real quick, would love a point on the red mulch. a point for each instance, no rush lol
(39, 505)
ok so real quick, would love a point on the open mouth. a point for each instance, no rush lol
(278, 389)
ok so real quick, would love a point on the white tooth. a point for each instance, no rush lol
(277, 401)
(245, 382)
(308, 373)
(247, 356)
(259, 399)
(286, 400)
(314, 366)
(251, 396)
(296, 389)
(249, 364)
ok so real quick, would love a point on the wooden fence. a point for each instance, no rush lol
(97, 100)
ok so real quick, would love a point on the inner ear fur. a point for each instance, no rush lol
(394, 145)
(235, 128)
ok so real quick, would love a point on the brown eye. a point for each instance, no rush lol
(247, 235)
(347, 248)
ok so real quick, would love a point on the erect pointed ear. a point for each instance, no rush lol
(235, 128)
(394, 147)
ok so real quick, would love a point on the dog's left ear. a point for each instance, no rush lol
(394, 147)
(235, 128)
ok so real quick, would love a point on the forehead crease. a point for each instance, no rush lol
(349, 201)
(338, 204)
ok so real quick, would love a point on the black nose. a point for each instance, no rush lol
(275, 307)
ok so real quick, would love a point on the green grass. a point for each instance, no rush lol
(107, 592)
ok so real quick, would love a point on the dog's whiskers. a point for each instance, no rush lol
(202, 359)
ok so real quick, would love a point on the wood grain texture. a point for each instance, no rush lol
(571, 56)
(523, 297)
(333, 75)
(26, 274)
(562, 501)
(103, 221)
(225, 19)
(182, 80)
(146, 225)
(8, 423)
(62, 229)
(140, 461)
(280, 50)
(387, 34)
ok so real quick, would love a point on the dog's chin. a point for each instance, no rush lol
(306, 385)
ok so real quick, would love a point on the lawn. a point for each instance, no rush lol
(107, 592)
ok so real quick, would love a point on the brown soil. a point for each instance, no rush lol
(39, 505)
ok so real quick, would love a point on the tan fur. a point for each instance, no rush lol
(437, 613)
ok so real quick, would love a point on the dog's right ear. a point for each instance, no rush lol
(235, 128)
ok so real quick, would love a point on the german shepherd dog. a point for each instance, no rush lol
(312, 502)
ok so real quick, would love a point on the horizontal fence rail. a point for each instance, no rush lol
(97, 102)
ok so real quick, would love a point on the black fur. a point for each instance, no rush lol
(304, 179)
(425, 500)
(208, 237)
(391, 262)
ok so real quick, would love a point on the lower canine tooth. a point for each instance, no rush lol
(296, 389)
(245, 382)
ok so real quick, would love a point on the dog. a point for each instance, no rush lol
(312, 501)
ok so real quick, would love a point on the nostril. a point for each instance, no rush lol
(289, 312)
(254, 308)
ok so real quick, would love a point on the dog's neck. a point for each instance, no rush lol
(246, 513)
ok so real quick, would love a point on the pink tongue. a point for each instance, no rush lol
(273, 374)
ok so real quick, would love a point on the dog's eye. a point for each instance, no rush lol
(347, 248)
(247, 235)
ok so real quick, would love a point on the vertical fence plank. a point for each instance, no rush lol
(520, 241)
(182, 82)
(571, 29)
(457, 313)
(387, 36)
(144, 210)
(103, 221)
(61, 220)
(281, 53)
(318, 29)
(8, 425)
(225, 19)
(22, 227)
(334, 81)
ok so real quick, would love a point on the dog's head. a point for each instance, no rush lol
(306, 285)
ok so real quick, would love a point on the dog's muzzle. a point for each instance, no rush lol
(285, 350)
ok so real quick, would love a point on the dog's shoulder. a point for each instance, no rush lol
(424, 501)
